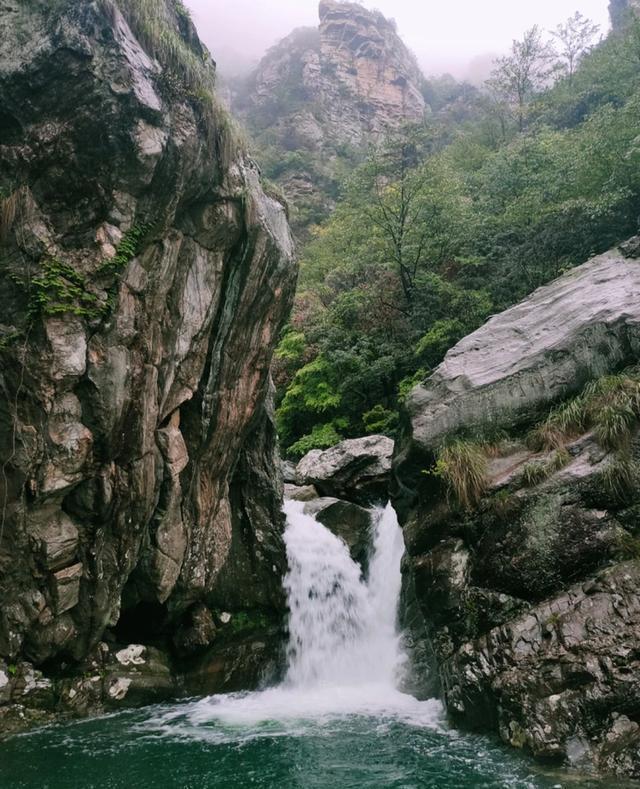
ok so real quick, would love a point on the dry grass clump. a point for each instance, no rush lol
(8, 211)
(538, 471)
(609, 406)
(620, 477)
(462, 465)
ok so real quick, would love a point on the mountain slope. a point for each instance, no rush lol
(321, 95)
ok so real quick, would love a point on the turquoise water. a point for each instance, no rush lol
(338, 720)
(181, 746)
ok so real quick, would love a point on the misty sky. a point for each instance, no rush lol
(444, 34)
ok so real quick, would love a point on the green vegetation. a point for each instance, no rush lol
(244, 620)
(609, 406)
(462, 466)
(129, 246)
(321, 437)
(60, 289)
(460, 217)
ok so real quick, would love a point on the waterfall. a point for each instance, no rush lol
(342, 629)
(344, 656)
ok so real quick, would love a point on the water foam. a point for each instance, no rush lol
(344, 655)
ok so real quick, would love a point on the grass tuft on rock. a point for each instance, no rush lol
(164, 29)
(609, 406)
(538, 471)
(620, 478)
(154, 23)
(462, 466)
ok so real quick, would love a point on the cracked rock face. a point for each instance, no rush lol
(326, 90)
(564, 676)
(138, 453)
(526, 604)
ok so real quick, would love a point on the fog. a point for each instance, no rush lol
(445, 36)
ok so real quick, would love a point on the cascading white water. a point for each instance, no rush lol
(344, 655)
(342, 629)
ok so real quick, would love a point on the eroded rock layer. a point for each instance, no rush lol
(144, 279)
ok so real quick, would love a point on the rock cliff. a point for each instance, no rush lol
(519, 482)
(320, 95)
(144, 277)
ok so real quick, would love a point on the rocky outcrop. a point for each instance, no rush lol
(546, 348)
(321, 95)
(352, 523)
(526, 593)
(357, 469)
(562, 680)
(145, 276)
(370, 62)
(243, 650)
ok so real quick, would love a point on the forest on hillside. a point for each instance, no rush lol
(499, 190)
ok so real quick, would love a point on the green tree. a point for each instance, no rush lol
(575, 38)
(517, 77)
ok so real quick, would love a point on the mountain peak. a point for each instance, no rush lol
(323, 94)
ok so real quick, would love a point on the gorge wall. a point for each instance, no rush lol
(518, 479)
(321, 95)
(144, 277)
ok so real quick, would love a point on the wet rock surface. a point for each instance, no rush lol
(145, 277)
(526, 602)
(244, 651)
(357, 469)
(352, 523)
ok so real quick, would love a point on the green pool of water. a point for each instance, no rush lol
(184, 746)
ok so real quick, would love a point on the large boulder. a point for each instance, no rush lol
(527, 592)
(579, 327)
(357, 469)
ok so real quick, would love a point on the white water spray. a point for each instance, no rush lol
(344, 655)
(342, 629)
